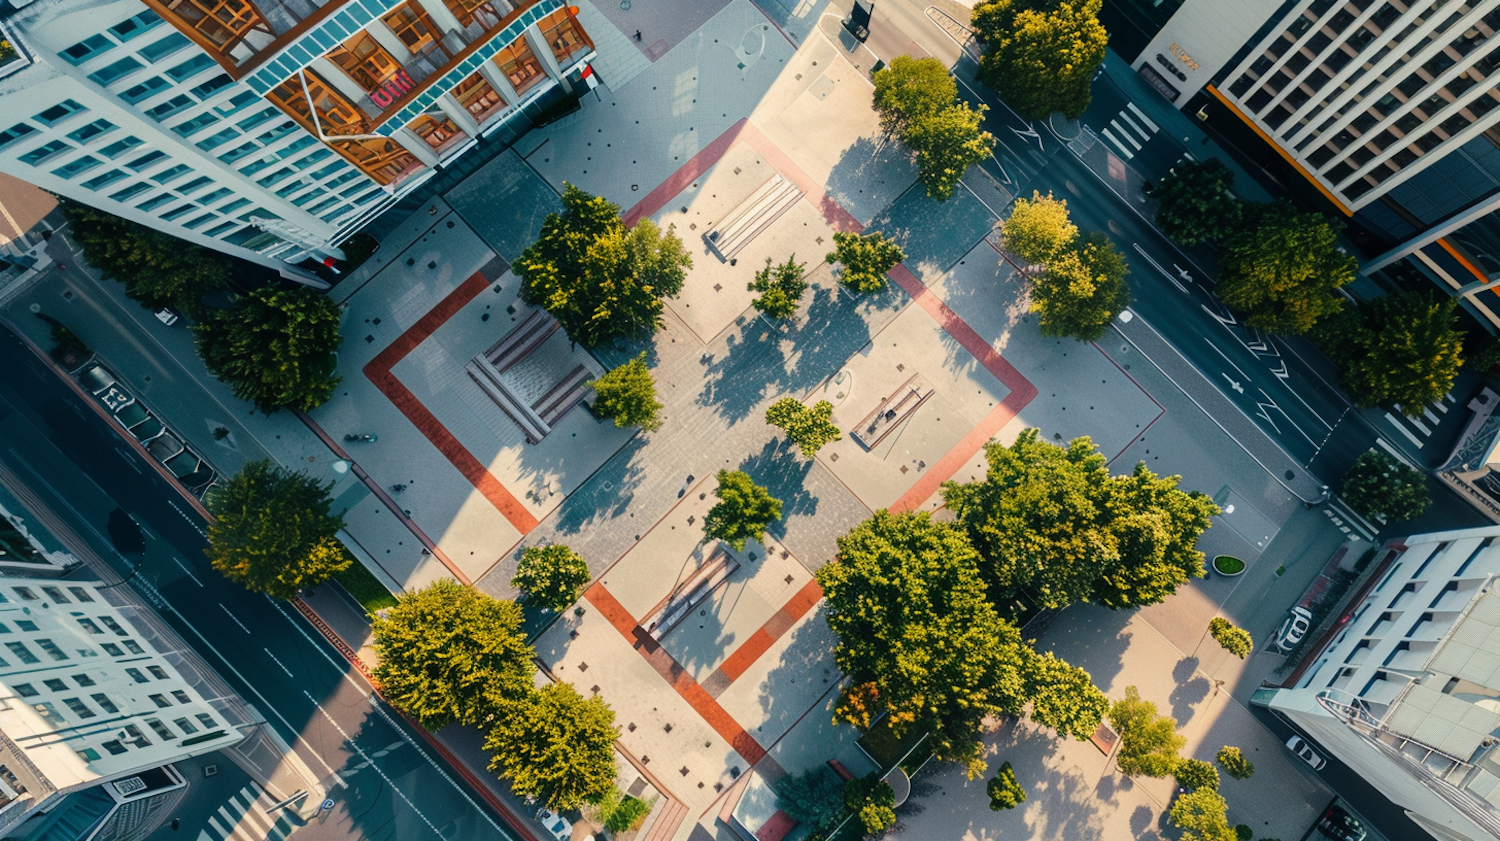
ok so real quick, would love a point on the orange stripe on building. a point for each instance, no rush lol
(1280, 151)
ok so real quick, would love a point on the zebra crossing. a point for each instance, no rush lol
(1129, 130)
(243, 819)
(1350, 522)
(1418, 429)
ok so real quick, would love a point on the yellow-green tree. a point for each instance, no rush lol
(1148, 740)
(1082, 289)
(743, 511)
(807, 427)
(557, 746)
(627, 396)
(1283, 268)
(273, 531)
(550, 577)
(865, 259)
(1038, 229)
(1041, 55)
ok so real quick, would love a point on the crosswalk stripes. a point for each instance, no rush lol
(242, 819)
(1424, 423)
(1349, 521)
(1129, 130)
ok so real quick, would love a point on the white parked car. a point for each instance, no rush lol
(167, 316)
(1304, 751)
(556, 824)
(1296, 625)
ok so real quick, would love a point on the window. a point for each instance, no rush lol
(218, 138)
(478, 97)
(143, 163)
(219, 229)
(161, 730)
(237, 103)
(182, 697)
(195, 125)
(89, 755)
(412, 25)
(104, 703)
(185, 726)
(564, 35)
(193, 66)
(170, 107)
(160, 701)
(209, 198)
(113, 746)
(163, 47)
(87, 49)
(25, 592)
(112, 151)
(257, 118)
(83, 163)
(109, 621)
(88, 625)
(131, 645)
(59, 112)
(212, 86)
(55, 685)
(131, 192)
(193, 185)
(79, 708)
(26, 690)
(234, 205)
(26, 625)
(36, 157)
(4, 628)
(207, 720)
(131, 27)
(368, 64)
(14, 133)
(468, 10)
(170, 173)
(197, 222)
(144, 89)
(114, 71)
(83, 680)
(110, 648)
(136, 675)
(51, 648)
(239, 152)
(92, 130)
(49, 712)
(158, 672)
(224, 23)
(172, 215)
(55, 594)
(136, 736)
(22, 652)
(520, 66)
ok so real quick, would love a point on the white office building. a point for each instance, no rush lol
(1408, 693)
(91, 715)
(269, 129)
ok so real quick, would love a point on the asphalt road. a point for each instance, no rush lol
(384, 782)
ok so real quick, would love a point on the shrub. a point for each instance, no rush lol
(626, 814)
(1004, 791)
(1243, 832)
(1234, 762)
(1193, 774)
(873, 800)
(1236, 641)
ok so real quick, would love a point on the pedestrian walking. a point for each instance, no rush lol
(637, 35)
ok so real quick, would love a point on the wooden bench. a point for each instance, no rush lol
(522, 340)
(752, 216)
(899, 406)
(686, 596)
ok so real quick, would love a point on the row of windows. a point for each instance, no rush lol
(54, 593)
(98, 44)
(135, 737)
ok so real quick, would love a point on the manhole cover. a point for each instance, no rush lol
(625, 5)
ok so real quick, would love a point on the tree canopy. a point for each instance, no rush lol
(599, 279)
(1038, 229)
(815, 798)
(780, 287)
(743, 511)
(1234, 762)
(627, 396)
(1193, 202)
(1400, 348)
(807, 427)
(1380, 487)
(1283, 268)
(274, 347)
(1004, 791)
(947, 143)
(1193, 774)
(1233, 639)
(873, 801)
(1082, 289)
(1041, 55)
(1202, 815)
(273, 531)
(1052, 522)
(905, 599)
(909, 88)
(550, 577)
(1063, 696)
(1148, 741)
(865, 259)
(557, 746)
(448, 653)
(158, 270)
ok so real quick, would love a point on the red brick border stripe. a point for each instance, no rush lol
(379, 372)
(761, 641)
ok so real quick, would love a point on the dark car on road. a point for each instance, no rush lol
(1340, 825)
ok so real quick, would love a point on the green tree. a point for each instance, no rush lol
(1063, 696)
(1400, 348)
(599, 279)
(627, 396)
(1148, 741)
(815, 798)
(1004, 791)
(808, 428)
(1082, 290)
(1050, 521)
(449, 653)
(550, 577)
(909, 88)
(1234, 762)
(780, 287)
(906, 601)
(866, 259)
(158, 270)
(625, 813)
(1193, 774)
(1243, 832)
(1379, 486)
(1202, 816)
(1193, 203)
(743, 511)
(1041, 55)
(1038, 229)
(555, 745)
(275, 348)
(873, 800)
(1235, 640)
(947, 143)
(273, 531)
(1283, 268)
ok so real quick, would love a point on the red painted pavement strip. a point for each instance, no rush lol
(679, 180)
(761, 641)
(379, 372)
(702, 703)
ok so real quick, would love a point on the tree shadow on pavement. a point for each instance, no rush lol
(781, 470)
(868, 176)
(1089, 637)
(738, 379)
(607, 493)
(1190, 688)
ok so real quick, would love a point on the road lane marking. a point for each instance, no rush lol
(276, 661)
(1404, 431)
(1147, 257)
(190, 520)
(1399, 456)
(1142, 115)
(1145, 135)
(1438, 404)
(235, 618)
(178, 561)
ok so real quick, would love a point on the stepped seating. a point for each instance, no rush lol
(668, 819)
(534, 417)
(752, 216)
